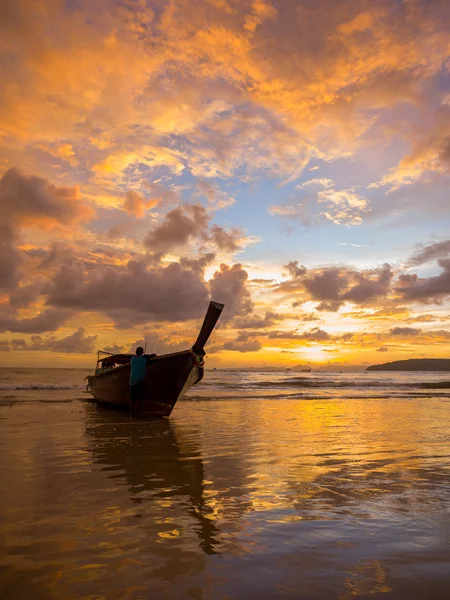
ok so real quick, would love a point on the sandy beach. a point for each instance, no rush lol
(229, 498)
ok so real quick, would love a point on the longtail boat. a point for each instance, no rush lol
(168, 377)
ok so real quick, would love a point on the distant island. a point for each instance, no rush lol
(414, 364)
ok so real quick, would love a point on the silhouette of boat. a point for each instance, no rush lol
(168, 377)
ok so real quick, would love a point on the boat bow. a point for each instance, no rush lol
(212, 315)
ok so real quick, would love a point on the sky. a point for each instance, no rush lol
(289, 159)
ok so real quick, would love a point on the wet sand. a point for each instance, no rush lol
(226, 500)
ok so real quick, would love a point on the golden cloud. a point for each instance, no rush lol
(118, 76)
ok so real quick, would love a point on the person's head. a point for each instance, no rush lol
(139, 350)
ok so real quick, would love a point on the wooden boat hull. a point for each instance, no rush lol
(168, 378)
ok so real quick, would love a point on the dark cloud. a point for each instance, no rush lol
(407, 280)
(132, 295)
(431, 252)
(257, 322)
(313, 335)
(40, 253)
(243, 343)
(383, 349)
(179, 225)
(188, 223)
(333, 286)
(114, 233)
(25, 295)
(227, 241)
(273, 316)
(197, 264)
(293, 269)
(11, 259)
(444, 153)
(285, 335)
(76, 343)
(19, 344)
(426, 289)
(29, 200)
(328, 285)
(329, 306)
(5, 346)
(345, 337)
(48, 320)
(228, 286)
(405, 331)
(370, 286)
(58, 253)
(260, 281)
(251, 323)
(308, 317)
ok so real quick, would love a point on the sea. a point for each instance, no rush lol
(262, 484)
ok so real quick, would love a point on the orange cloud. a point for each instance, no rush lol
(136, 205)
(102, 79)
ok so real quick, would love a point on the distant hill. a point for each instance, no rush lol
(414, 364)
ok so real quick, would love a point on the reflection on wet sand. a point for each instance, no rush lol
(304, 494)
(156, 462)
(226, 500)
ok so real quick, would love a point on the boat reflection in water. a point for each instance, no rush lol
(163, 471)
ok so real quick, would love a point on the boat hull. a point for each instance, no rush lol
(168, 378)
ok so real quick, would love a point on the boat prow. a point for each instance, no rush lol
(168, 377)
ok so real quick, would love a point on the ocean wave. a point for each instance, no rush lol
(7, 401)
(436, 385)
(40, 386)
(307, 382)
(322, 395)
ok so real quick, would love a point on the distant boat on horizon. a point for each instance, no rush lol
(168, 377)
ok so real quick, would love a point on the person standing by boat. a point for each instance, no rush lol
(137, 379)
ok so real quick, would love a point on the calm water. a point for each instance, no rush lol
(261, 485)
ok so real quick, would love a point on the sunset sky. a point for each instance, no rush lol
(289, 158)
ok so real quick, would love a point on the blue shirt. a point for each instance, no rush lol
(138, 367)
